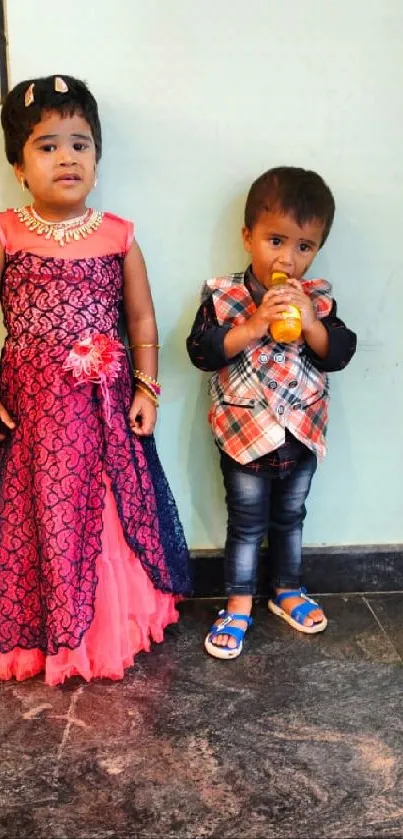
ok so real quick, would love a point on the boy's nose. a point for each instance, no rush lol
(286, 261)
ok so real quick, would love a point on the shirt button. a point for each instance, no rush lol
(272, 385)
(293, 383)
(280, 409)
(279, 357)
(263, 358)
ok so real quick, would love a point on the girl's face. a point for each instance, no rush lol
(59, 164)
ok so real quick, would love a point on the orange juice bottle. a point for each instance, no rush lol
(289, 327)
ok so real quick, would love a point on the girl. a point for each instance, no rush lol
(92, 552)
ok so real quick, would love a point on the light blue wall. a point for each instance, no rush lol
(197, 99)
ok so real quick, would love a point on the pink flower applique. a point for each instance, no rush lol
(96, 358)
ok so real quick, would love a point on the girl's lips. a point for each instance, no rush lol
(73, 178)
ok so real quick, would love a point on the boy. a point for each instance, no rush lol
(270, 401)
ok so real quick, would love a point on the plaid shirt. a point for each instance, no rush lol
(269, 387)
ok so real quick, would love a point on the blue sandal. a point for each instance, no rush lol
(224, 628)
(297, 616)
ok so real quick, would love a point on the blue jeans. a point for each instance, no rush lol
(258, 506)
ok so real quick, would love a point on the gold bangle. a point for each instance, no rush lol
(148, 393)
(149, 389)
(141, 346)
(144, 377)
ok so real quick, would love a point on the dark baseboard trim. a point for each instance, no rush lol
(327, 569)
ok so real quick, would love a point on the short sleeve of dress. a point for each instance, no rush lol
(119, 231)
(129, 235)
(3, 230)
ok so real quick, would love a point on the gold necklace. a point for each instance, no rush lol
(68, 222)
(62, 232)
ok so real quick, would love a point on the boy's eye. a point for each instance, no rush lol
(48, 147)
(304, 247)
(275, 241)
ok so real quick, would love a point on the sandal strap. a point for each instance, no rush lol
(225, 628)
(233, 616)
(232, 631)
(299, 613)
(301, 592)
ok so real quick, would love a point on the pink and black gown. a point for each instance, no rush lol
(92, 552)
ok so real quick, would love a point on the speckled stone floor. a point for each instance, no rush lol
(300, 737)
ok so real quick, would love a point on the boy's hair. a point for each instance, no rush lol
(298, 192)
(19, 118)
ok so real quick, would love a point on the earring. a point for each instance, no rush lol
(23, 184)
(95, 182)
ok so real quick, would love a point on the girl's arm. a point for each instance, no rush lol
(5, 420)
(142, 333)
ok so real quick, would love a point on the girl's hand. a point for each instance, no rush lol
(303, 302)
(5, 420)
(142, 414)
(271, 308)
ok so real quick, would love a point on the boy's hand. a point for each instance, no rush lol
(5, 420)
(303, 302)
(142, 414)
(271, 308)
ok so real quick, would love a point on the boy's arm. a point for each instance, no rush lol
(211, 346)
(328, 342)
(205, 344)
(342, 344)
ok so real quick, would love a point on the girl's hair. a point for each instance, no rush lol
(26, 103)
(300, 192)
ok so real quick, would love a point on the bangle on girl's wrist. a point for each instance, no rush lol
(147, 392)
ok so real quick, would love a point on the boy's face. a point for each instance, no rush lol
(277, 243)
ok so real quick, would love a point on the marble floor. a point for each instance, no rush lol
(300, 737)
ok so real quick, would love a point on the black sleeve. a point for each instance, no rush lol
(205, 344)
(342, 344)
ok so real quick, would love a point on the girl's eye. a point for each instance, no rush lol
(48, 147)
(275, 241)
(304, 247)
(80, 146)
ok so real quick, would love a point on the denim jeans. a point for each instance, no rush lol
(259, 506)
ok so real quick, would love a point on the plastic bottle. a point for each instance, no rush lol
(289, 328)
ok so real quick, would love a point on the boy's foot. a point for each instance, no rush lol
(225, 627)
(300, 611)
(240, 605)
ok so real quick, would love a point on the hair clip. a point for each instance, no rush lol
(60, 85)
(29, 95)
